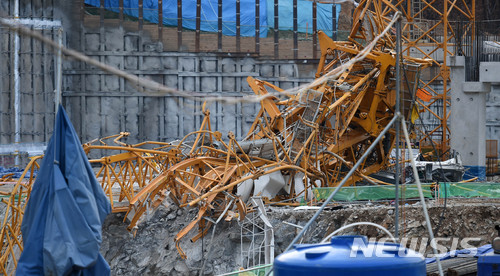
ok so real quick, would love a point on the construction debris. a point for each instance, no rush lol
(297, 142)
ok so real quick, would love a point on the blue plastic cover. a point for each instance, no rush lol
(209, 14)
(463, 253)
(16, 171)
(304, 14)
(63, 217)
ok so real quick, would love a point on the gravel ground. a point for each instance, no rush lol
(152, 251)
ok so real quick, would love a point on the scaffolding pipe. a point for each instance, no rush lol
(36, 24)
(398, 98)
(59, 69)
(17, 93)
(351, 172)
(422, 199)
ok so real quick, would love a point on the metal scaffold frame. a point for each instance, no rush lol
(438, 36)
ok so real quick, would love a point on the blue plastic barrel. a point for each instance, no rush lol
(349, 255)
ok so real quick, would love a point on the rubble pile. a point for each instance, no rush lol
(152, 251)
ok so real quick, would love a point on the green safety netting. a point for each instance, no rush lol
(491, 190)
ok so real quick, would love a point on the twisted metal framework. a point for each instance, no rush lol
(10, 236)
(297, 142)
(429, 32)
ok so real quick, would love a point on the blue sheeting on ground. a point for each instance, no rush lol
(63, 218)
(208, 18)
(463, 253)
(16, 171)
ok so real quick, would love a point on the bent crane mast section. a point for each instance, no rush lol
(298, 141)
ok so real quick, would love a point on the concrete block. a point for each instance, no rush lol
(228, 119)
(208, 84)
(476, 87)
(187, 64)
(172, 120)
(111, 83)
(267, 70)
(111, 107)
(152, 47)
(228, 84)
(428, 50)
(251, 110)
(92, 42)
(208, 65)
(248, 65)
(307, 70)
(156, 78)
(150, 113)
(68, 65)
(71, 82)
(113, 40)
(93, 83)
(169, 62)
(286, 84)
(228, 65)
(287, 70)
(131, 43)
(188, 124)
(151, 63)
(456, 61)
(488, 72)
(188, 83)
(131, 63)
(131, 117)
(115, 61)
(92, 119)
(130, 87)
(170, 81)
(245, 87)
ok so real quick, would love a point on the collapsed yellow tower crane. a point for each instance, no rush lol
(299, 140)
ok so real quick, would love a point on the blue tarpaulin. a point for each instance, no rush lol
(16, 171)
(463, 253)
(208, 18)
(304, 14)
(62, 223)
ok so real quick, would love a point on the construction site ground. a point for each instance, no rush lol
(152, 251)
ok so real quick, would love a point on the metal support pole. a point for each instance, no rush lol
(179, 25)
(422, 199)
(257, 26)
(219, 26)
(315, 29)
(349, 174)
(334, 22)
(276, 29)
(59, 70)
(398, 99)
(198, 26)
(295, 31)
(17, 92)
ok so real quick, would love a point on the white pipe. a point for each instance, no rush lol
(36, 24)
(59, 70)
(17, 96)
(421, 193)
(356, 224)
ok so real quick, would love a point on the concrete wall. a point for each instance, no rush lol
(101, 104)
(493, 114)
(36, 74)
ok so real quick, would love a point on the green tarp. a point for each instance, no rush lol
(491, 190)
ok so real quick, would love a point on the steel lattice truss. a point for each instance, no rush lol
(298, 141)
